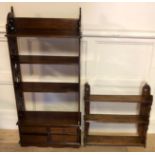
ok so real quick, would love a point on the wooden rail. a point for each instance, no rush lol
(116, 98)
(27, 59)
(49, 87)
(116, 118)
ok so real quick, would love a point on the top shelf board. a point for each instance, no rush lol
(50, 27)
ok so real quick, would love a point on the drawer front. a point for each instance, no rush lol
(34, 140)
(64, 139)
(53, 130)
(27, 129)
(43, 140)
(65, 130)
(43, 136)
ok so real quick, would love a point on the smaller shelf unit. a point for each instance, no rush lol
(42, 128)
(142, 119)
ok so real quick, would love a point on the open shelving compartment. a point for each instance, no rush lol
(44, 128)
(142, 119)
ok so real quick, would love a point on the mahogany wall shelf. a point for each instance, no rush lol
(142, 119)
(42, 128)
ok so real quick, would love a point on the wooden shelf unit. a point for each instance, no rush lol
(42, 128)
(142, 119)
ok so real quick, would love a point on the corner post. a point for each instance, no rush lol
(87, 99)
(87, 111)
(145, 107)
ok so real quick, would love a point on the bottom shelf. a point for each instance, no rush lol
(50, 140)
(115, 140)
(57, 129)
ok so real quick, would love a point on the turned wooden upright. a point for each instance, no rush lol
(142, 119)
(144, 111)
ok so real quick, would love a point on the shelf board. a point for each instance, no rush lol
(27, 59)
(45, 119)
(48, 87)
(50, 27)
(43, 34)
(116, 98)
(46, 23)
(115, 118)
(115, 140)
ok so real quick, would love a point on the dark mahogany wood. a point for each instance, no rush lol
(116, 140)
(86, 130)
(116, 98)
(46, 23)
(62, 129)
(49, 27)
(55, 141)
(44, 34)
(49, 87)
(15, 67)
(50, 128)
(27, 59)
(142, 119)
(79, 60)
(45, 118)
(87, 99)
(116, 118)
(145, 108)
(42, 128)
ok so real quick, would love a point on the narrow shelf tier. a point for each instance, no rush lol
(27, 59)
(116, 118)
(48, 87)
(50, 27)
(115, 140)
(116, 98)
(45, 119)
